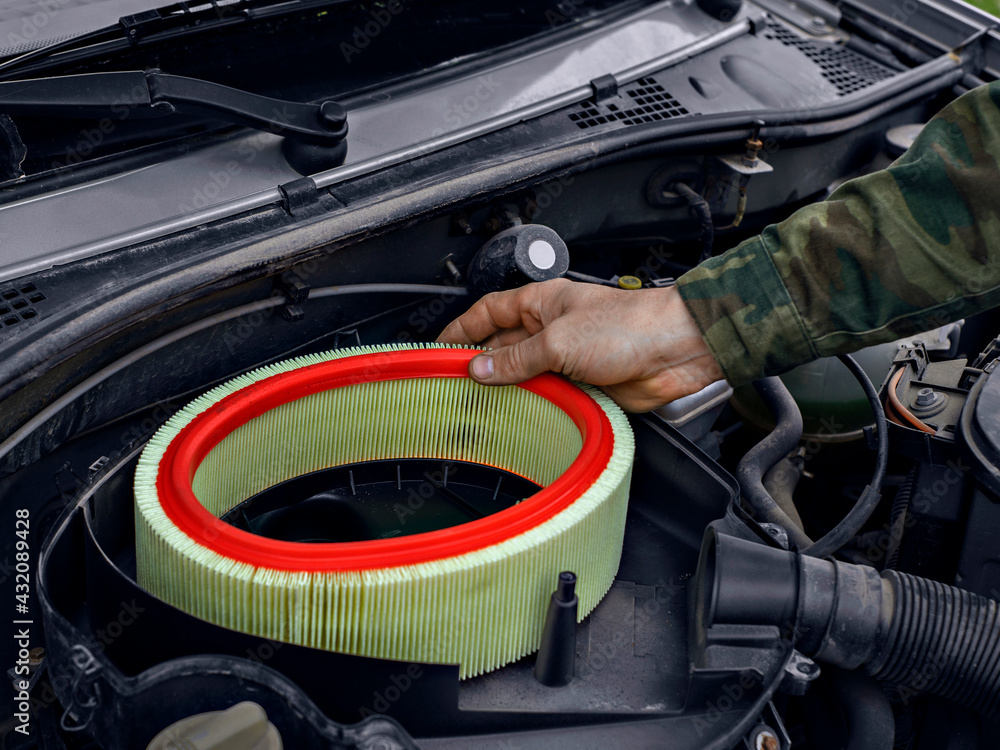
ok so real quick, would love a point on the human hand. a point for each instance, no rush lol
(642, 347)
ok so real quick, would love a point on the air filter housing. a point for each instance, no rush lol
(473, 594)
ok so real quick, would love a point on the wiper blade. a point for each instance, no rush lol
(177, 17)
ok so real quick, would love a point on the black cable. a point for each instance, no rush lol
(897, 519)
(700, 210)
(851, 524)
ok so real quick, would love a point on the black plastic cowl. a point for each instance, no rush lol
(921, 635)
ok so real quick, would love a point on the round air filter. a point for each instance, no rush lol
(473, 593)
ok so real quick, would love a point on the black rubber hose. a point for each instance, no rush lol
(870, 721)
(780, 482)
(851, 524)
(700, 210)
(941, 640)
(921, 636)
(758, 460)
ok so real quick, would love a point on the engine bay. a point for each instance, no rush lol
(712, 634)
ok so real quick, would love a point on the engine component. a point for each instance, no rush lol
(834, 408)
(473, 595)
(778, 444)
(557, 654)
(694, 415)
(896, 626)
(516, 256)
(781, 440)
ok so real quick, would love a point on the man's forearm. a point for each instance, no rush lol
(890, 254)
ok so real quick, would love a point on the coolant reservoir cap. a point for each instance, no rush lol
(242, 727)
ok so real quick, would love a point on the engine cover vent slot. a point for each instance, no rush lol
(643, 101)
(847, 70)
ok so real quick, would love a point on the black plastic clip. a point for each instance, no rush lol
(604, 87)
(137, 25)
(294, 291)
(299, 196)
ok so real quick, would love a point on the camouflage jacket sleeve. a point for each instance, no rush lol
(887, 255)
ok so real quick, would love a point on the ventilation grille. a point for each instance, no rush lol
(643, 101)
(846, 70)
(17, 304)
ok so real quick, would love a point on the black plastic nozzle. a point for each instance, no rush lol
(557, 654)
(896, 627)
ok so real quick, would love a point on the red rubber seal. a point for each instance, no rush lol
(186, 452)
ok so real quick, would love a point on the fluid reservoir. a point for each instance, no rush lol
(833, 404)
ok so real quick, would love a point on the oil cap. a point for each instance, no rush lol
(517, 256)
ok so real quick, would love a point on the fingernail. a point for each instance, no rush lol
(482, 367)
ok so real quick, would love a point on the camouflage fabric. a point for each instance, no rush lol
(887, 255)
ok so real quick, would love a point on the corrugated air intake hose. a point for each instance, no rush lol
(920, 635)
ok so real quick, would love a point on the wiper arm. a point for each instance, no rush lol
(314, 133)
(155, 94)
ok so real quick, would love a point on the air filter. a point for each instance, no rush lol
(473, 593)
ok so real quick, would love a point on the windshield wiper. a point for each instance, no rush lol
(314, 130)
(177, 18)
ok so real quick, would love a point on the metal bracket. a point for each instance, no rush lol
(799, 674)
(737, 163)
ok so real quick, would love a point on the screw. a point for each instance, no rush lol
(806, 667)
(765, 739)
(462, 225)
(925, 397)
(456, 275)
